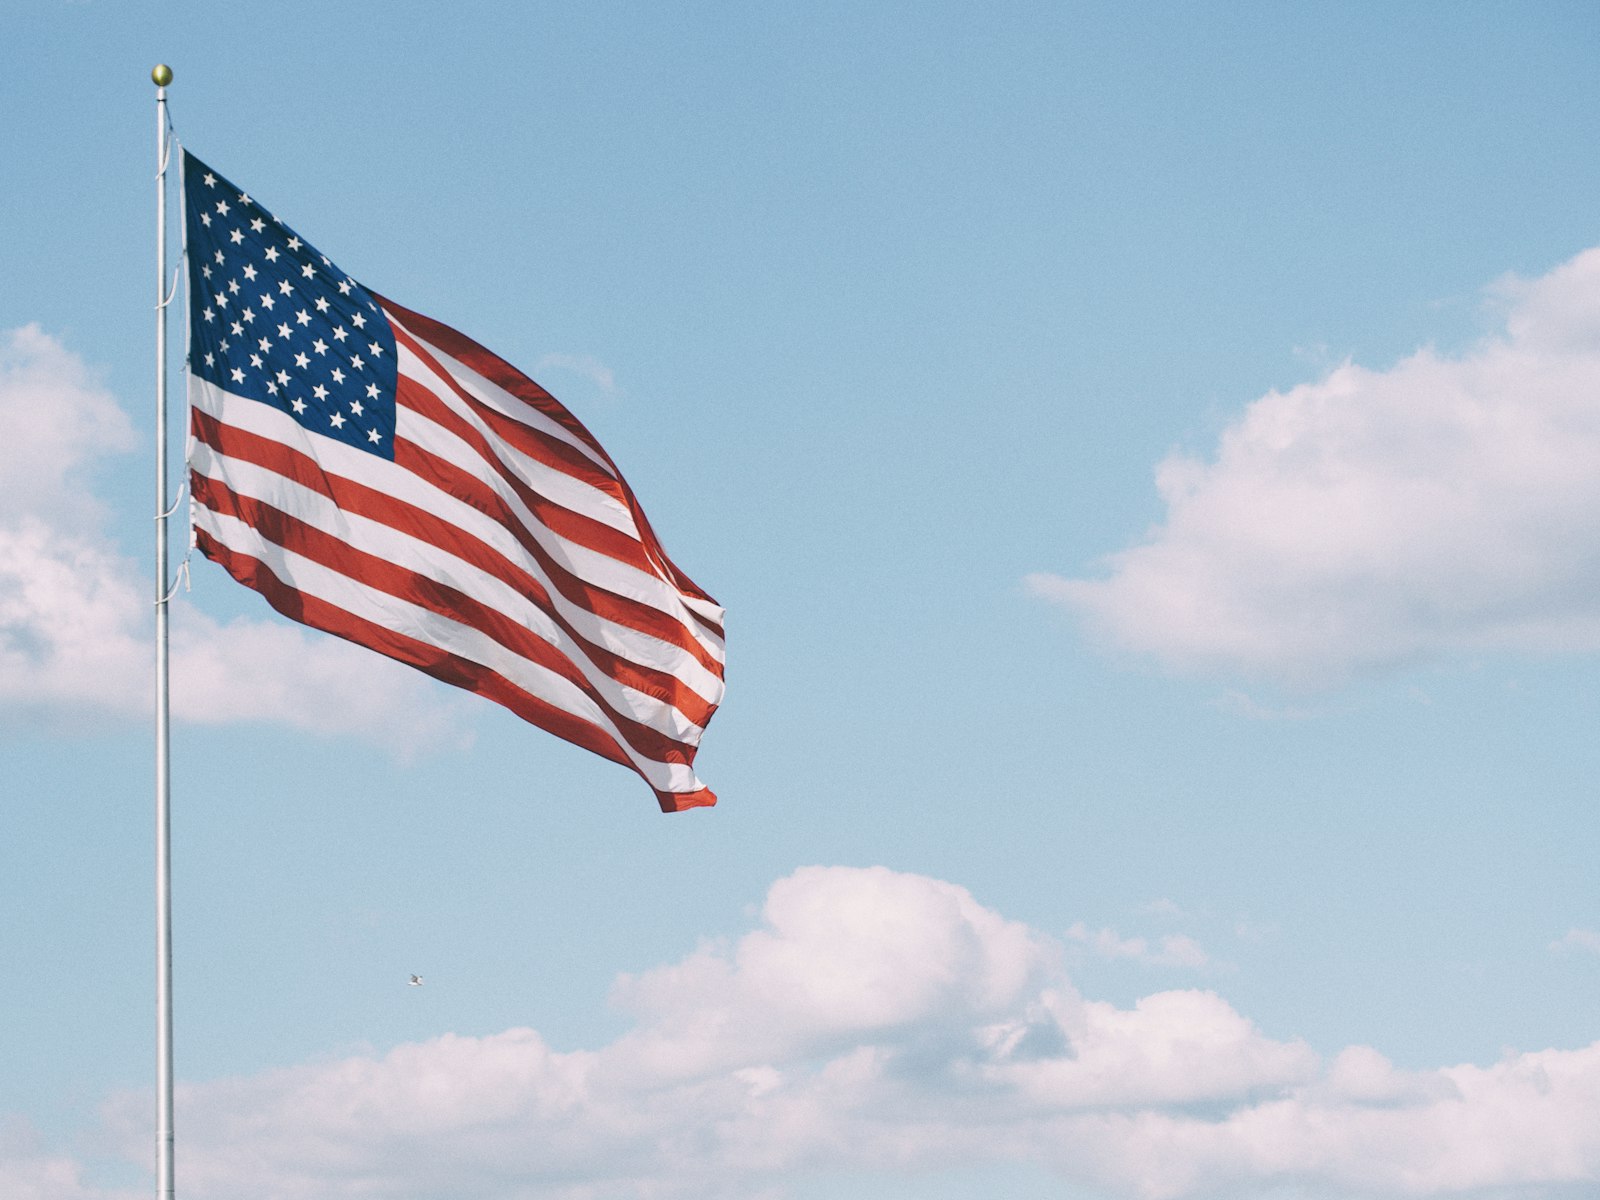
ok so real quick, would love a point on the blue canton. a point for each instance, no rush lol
(273, 320)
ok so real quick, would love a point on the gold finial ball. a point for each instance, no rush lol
(162, 75)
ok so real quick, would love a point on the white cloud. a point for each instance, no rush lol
(882, 1022)
(1374, 519)
(844, 955)
(58, 419)
(76, 623)
(33, 1172)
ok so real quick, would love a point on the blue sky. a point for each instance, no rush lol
(1148, 459)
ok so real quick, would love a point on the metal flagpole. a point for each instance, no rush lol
(161, 76)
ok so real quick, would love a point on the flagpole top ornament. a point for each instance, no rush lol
(162, 75)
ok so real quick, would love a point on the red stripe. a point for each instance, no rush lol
(356, 498)
(407, 518)
(681, 801)
(643, 551)
(501, 373)
(553, 452)
(574, 526)
(446, 667)
(622, 610)
(380, 574)
(449, 668)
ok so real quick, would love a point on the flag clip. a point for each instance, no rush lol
(182, 488)
(173, 290)
(182, 576)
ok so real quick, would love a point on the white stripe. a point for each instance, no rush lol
(382, 475)
(497, 398)
(304, 575)
(549, 482)
(430, 561)
(620, 639)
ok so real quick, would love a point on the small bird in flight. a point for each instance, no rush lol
(416, 981)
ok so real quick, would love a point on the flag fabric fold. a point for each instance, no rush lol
(378, 475)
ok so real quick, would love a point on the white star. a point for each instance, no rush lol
(219, 258)
(222, 300)
(325, 261)
(337, 420)
(222, 207)
(249, 271)
(372, 391)
(249, 314)
(209, 315)
(338, 375)
(211, 180)
(322, 304)
(206, 270)
(267, 301)
(320, 346)
(344, 287)
(283, 331)
(285, 287)
(243, 199)
(339, 334)
(223, 345)
(210, 361)
(301, 361)
(320, 392)
(238, 375)
(375, 348)
(303, 317)
(237, 236)
(355, 407)
(272, 387)
(255, 361)
(238, 329)
(294, 243)
(257, 225)
(283, 378)
(205, 219)
(372, 436)
(358, 321)
(299, 405)
(308, 271)
(272, 254)
(356, 362)
(265, 344)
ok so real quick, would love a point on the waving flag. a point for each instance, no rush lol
(377, 475)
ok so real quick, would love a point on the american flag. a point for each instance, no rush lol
(378, 475)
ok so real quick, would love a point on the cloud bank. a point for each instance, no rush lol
(881, 1023)
(1375, 519)
(76, 624)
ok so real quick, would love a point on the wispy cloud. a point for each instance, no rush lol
(75, 614)
(1163, 906)
(1169, 950)
(592, 369)
(1584, 940)
(1242, 704)
(1378, 518)
(874, 1021)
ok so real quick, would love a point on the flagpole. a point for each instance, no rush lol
(161, 76)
